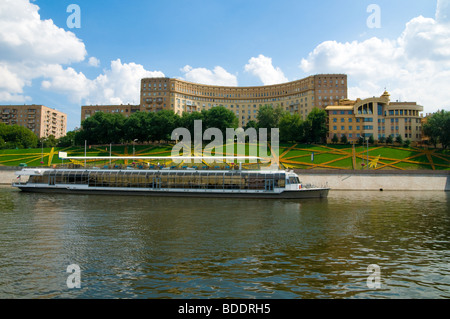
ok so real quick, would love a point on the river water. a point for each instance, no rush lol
(350, 245)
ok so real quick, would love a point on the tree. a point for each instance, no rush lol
(344, 139)
(15, 136)
(360, 140)
(49, 141)
(318, 119)
(437, 128)
(382, 140)
(371, 139)
(335, 139)
(67, 140)
(251, 124)
(188, 120)
(399, 139)
(291, 128)
(103, 128)
(269, 117)
(162, 125)
(390, 139)
(407, 143)
(137, 126)
(221, 118)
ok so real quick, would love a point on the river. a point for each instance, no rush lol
(351, 245)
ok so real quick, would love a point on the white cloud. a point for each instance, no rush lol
(262, 67)
(35, 49)
(29, 46)
(413, 67)
(24, 36)
(118, 85)
(218, 76)
(93, 61)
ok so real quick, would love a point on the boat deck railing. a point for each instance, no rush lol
(139, 166)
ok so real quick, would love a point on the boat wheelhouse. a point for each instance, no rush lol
(169, 182)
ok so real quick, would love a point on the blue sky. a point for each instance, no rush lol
(227, 42)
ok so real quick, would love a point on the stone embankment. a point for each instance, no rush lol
(388, 180)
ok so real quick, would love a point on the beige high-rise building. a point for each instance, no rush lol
(41, 120)
(375, 116)
(299, 96)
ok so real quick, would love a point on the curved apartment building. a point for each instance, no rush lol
(299, 96)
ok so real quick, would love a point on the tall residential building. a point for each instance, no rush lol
(299, 96)
(377, 117)
(41, 120)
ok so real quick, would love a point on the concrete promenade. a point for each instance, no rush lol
(387, 180)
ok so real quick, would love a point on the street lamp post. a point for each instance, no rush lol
(367, 152)
(42, 151)
(134, 151)
(134, 141)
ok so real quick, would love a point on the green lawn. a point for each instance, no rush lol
(291, 155)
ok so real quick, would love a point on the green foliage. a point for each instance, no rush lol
(15, 136)
(251, 124)
(162, 124)
(407, 143)
(437, 128)
(221, 118)
(344, 139)
(67, 140)
(291, 128)
(137, 127)
(50, 141)
(390, 139)
(360, 140)
(399, 139)
(269, 117)
(105, 128)
(318, 131)
(188, 120)
(335, 139)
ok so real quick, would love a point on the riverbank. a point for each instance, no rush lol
(387, 180)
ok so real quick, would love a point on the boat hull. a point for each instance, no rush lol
(300, 194)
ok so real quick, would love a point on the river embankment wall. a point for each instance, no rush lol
(8, 174)
(389, 180)
(344, 180)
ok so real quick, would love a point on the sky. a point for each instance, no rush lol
(96, 52)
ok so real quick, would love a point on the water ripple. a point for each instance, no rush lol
(166, 248)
